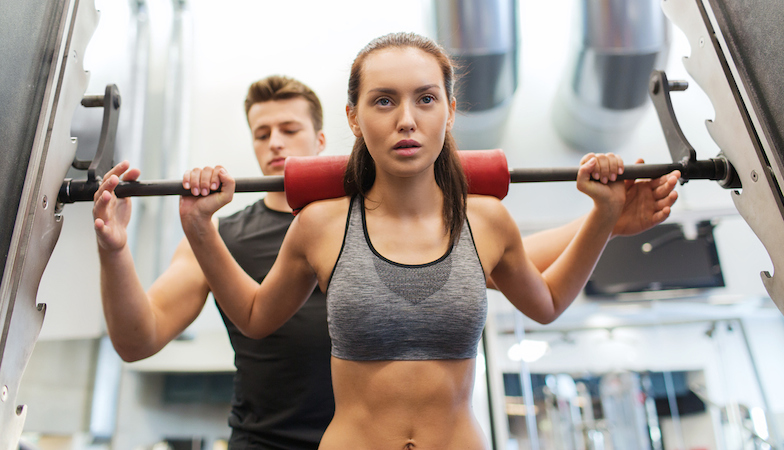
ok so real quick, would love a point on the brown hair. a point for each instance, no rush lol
(361, 170)
(277, 87)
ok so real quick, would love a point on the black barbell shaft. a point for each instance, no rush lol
(537, 175)
(716, 169)
(83, 190)
(174, 187)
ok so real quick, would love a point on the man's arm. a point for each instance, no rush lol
(140, 323)
(648, 204)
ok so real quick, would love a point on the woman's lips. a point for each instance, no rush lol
(407, 147)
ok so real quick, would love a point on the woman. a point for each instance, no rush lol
(404, 259)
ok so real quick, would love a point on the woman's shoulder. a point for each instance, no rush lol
(324, 212)
(488, 213)
(318, 233)
(485, 206)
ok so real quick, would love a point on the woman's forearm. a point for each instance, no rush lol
(232, 287)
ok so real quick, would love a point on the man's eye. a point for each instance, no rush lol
(262, 137)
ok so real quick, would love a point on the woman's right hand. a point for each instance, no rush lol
(211, 187)
(598, 178)
(111, 214)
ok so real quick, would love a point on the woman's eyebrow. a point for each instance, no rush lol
(392, 91)
(389, 91)
(426, 87)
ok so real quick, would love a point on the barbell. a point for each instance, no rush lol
(307, 179)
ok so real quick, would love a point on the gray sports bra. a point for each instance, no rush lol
(378, 309)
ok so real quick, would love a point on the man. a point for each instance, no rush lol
(282, 388)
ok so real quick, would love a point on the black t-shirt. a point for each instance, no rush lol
(282, 388)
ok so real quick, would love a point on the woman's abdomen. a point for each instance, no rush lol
(408, 405)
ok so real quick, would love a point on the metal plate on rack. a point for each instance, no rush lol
(743, 100)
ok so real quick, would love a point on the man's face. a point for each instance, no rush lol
(283, 128)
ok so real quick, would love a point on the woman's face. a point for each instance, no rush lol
(403, 111)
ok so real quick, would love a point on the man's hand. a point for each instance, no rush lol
(112, 214)
(648, 203)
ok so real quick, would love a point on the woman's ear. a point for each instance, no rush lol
(351, 114)
(451, 119)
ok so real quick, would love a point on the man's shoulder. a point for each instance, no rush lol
(257, 214)
(253, 209)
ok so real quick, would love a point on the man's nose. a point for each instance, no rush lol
(276, 139)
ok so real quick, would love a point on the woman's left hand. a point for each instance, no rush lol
(598, 178)
(211, 189)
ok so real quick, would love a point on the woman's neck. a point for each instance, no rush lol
(417, 196)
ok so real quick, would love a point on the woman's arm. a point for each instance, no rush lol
(256, 309)
(544, 296)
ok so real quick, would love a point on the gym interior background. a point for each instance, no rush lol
(708, 360)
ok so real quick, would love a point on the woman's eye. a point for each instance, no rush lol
(383, 102)
(428, 99)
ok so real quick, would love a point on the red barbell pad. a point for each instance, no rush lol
(308, 179)
(487, 172)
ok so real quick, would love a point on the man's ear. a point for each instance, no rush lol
(321, 137)
(351, 114)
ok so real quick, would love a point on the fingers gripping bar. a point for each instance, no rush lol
(310, 178)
